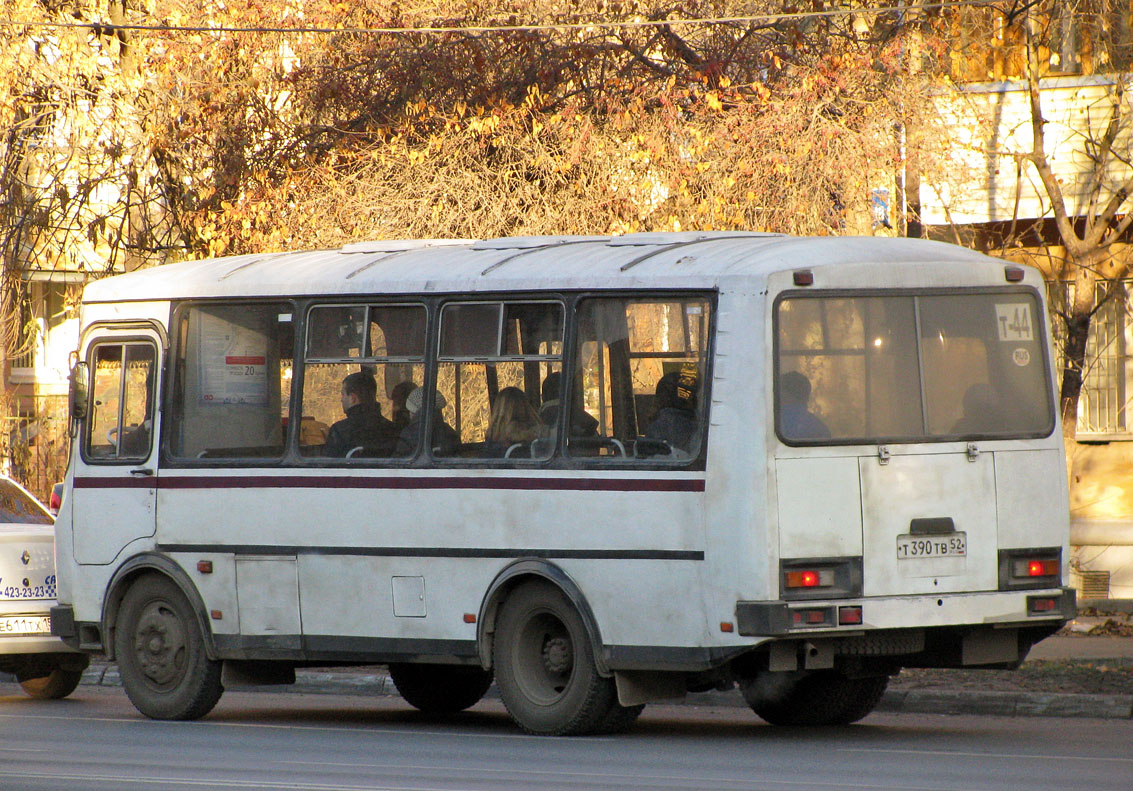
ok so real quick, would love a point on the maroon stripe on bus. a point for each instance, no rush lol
(108, 482)
(394, 482)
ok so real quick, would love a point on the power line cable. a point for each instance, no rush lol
(108, 27)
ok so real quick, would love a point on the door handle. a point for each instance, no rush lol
(142, 472)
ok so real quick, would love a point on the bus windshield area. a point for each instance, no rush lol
(911, 367)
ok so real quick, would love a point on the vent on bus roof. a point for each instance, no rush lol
(680, 237)
(400, 245)
(526, 242)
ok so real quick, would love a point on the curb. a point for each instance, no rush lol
(915, 701)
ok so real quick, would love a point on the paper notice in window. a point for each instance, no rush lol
(1013, 320)
(233, 366)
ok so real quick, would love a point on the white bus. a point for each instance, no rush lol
(601, 470)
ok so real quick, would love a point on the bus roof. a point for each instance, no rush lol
(643, 260)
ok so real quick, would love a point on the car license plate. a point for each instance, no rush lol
(25, 624)
(919, 547)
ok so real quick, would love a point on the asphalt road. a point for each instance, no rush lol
(96, 740)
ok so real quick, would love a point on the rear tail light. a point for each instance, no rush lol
(810, 578)
(1030, 568)
(1042, 605)
(1035, 568)
(820, 578)
(810, 617)
(849, 616)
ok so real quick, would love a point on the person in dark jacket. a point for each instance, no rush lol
(795, 418)
(364, 426)
(676, 421)
(445, 439)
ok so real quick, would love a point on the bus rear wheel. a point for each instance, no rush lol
(161, 653)
(440, 689)
(545, 670)
(824, 697)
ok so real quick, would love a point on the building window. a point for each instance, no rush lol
(1107, 376)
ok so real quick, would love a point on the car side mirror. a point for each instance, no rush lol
(79, 391)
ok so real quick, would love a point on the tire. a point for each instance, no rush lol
(619, 719)
(440, 689)
(53, 681)
(825, 697)
(545, 671)
(161, 653)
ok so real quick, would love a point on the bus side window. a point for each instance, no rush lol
(497, 364)
(233, 384)
(386, 345)
(639, 378)
(120, 426)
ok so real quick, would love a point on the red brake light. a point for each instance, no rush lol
(812, 616)
(802, 579)
(848, 616)
(809, 578)
(1036, 567)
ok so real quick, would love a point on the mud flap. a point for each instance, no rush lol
(990, 647)
(637, 686)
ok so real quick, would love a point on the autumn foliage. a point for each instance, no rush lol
(251, 126)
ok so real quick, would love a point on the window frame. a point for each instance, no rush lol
(301, 307)
(1042, 331)
(437, 359)
(697, 462)
(171, 417)
(293, 451)
(123, 340)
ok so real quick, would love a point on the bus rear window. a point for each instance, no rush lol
(924, 367)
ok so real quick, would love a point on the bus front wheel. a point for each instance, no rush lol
(161, 653)
(440, 689)
(545, 671)
(823, 697)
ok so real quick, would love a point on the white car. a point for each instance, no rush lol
(44, 666)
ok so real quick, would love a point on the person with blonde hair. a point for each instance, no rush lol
(513, 421)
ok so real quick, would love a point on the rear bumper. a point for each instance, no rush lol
(996, 609)
(63, 625)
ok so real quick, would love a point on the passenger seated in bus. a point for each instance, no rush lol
(445, 439)
(399, 414)
(513, 422)
(582, 423)
(135, 440)
(676, 421)
(795, 418)
(363, 425)
(981, 411)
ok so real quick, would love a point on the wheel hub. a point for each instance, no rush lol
(160, 644)
(557, 655)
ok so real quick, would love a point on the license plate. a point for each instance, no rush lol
(919, 547)
(25, 624)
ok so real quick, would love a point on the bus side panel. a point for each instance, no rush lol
(740, 556)
(409, 563)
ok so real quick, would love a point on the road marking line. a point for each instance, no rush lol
(1004, 756)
